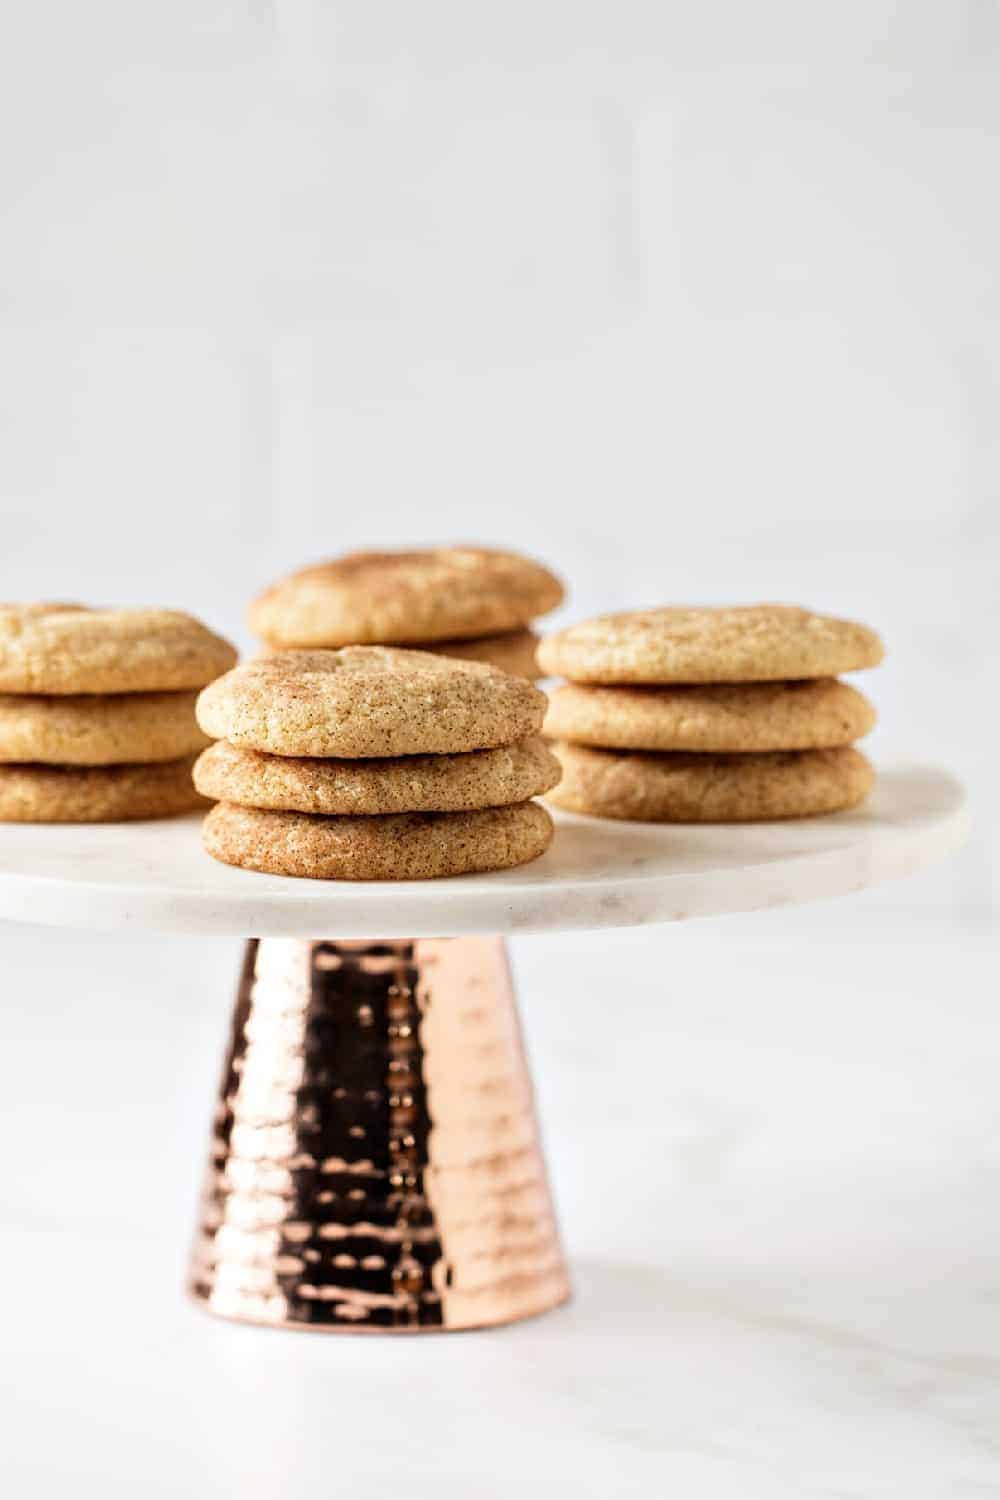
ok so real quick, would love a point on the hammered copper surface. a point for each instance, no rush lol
(375, 1158)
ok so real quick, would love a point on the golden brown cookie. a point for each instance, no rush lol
(817, 713)
(748, 643)
(100, 729)
(685, 788)
(409, 783)
(365, 701)
(390, 598)
(67, 649)
(96, 794)
(513, 652)
(406, 846)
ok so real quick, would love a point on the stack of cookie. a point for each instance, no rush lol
(97, 719)
(710, 715)
(466, 602)
(369, 763)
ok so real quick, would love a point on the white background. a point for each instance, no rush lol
(696, 302)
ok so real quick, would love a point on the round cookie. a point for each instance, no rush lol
(513, 652)
(96, 794)
(410, 783)
(98, 730)
(365, 701)
(390, 598)
(710, 788)
(748, 643)
(406, 846)
(817, 713)
(68, 650)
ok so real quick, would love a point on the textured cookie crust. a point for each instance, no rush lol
(513, 652)
(96, 794)
(390, 598)
(410, 783)
(811, 714)
(407, 846)
(67, 649)
(366, 701)
(99, 729)
(710, 788)
(749, 643)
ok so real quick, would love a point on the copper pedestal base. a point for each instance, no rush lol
(376, 1164)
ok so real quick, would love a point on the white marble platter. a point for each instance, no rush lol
(596, 874)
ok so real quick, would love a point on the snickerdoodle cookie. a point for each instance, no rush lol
(409, 783)
(69, 650)
(390, 598)
(96, 794)
(98, 729)
(404, 846)
(749, 643)
(706, 788)
(364, 701)
(800, 715)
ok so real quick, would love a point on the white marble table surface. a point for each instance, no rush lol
(776, 1149)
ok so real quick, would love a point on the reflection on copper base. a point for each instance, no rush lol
(376, 1164)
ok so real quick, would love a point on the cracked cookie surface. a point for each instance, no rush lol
(366, 701)
(746, 643)
(69, 649)
(389, 598)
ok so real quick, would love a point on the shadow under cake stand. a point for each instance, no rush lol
(375, 1161)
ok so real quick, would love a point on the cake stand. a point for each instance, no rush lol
(375, 1161)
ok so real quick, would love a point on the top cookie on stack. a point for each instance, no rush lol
(467, 602)
(710, 715)
(97, 716)
(369, 763)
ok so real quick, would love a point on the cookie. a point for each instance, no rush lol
(99, 729)
(68, 650)
(393, 598)
(410, 783)
(405, 846)
(513, 652)
(812, 714)
(96, 794)
(365, 701)
(685, 788)
(749, 643)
